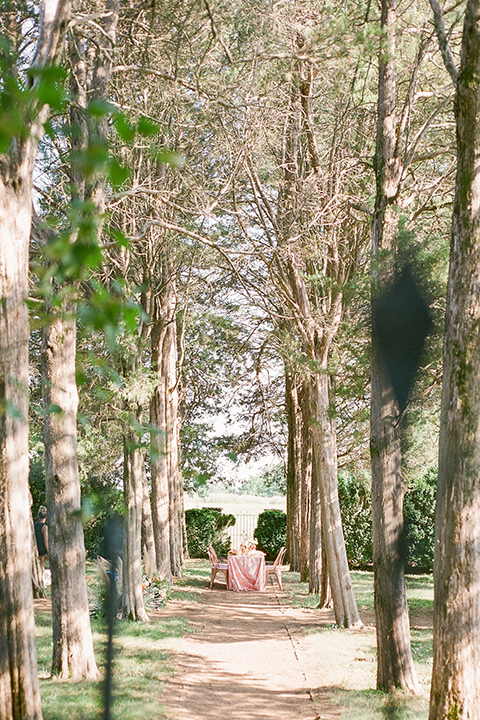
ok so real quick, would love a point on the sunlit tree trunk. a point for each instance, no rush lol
(148, 539)
(132, 598)
(73, 654)
(72, 638)
(455, 689)
(292, 414)
(19, 689)
(158, 455)
(316, 564)
(167, 489)
(299, 471)
(394, 658)
(325, 450)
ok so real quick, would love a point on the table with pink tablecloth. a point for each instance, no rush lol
(247, 572)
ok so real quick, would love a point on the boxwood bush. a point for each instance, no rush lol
(207, 526)
(271, 532)
(355, 497)
(419, 520)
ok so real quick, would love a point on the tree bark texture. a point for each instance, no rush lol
(132, 602)
(299, 474)
(292, 413)
(73, 655)
(325, 450)
(148, 538)
(19, 690)
(159, 469)
(316, 564)
(394, 657)
(167, 489)
(455, 689)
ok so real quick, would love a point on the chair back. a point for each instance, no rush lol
(212, 555)
(280, 556)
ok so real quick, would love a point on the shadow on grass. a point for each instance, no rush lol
(377, 705)
(422, 645)
(141, 667)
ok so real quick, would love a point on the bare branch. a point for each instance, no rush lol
(443, 40)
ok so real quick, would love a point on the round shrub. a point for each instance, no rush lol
(271, 532)
(419, 522)
(355, 499)
(206, 526)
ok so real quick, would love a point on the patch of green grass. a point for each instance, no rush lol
(363, 585)
(141, 667)
(376, 705)
(350, 668)
(298, 594)
(422, 646)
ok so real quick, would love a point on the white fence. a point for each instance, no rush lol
(245, 525)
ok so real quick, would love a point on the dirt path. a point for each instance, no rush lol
(245, 658)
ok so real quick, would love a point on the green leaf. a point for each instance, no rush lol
(100, 108)
(147, 127)
(119, 237)
(169, 157)
(124, 128)
(117, 174)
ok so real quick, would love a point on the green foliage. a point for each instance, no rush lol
(200, 455)
(271, 481)
(207, 526)
(356, 510)
(101, 497)
(98, 597)
(37, 482)
(419, 521)
(271, 532)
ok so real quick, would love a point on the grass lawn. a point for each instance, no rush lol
(350, 666)
(142, 664)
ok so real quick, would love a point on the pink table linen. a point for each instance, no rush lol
(247, 572)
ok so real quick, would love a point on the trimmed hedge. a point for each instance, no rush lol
(419, 521)
(355, 499)
(207, 526)
(271, 532)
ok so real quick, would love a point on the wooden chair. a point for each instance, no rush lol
(216, 566)
(276, 568)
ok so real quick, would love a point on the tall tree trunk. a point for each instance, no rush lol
(298, 479)
(19, 689)
(167, 489)
(73, 654)
(306, 482)
(38, 583)
(132, 600)
(159, 468)
(456, 631)
(72, 638)
(292, 484)
(325, 450)
(394, 657)
(148, 539)
(316, 560)
(177, 511)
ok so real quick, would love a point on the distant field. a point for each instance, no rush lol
(230, 503)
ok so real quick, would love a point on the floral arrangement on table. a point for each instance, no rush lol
(156, 592)
(247, 547)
